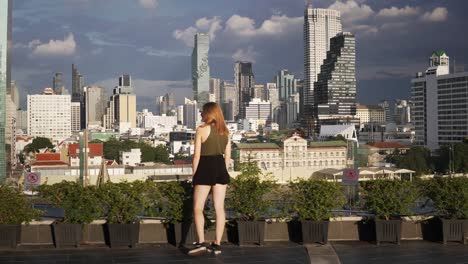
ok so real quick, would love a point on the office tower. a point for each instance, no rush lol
(286, 84)
(165, 103)
(190, 113)
(288, 112)
(215, 89)
(201, 69)
(440, 101)
(49, 115)
(229, 100)
(5, 77)
(125, 85)
(370, 114)
(77, 85)
(335, 90)
(244, 81)
(300, 90)
(57, 83)
(387, 111)
(75, 116)
(272, 95)
(22, 120)
(320, 25)
(95, 106)
(120, 112)
(258, 91)
(258, 109)
(402, 112)
(180, 114)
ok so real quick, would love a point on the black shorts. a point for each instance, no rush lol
(211, 170)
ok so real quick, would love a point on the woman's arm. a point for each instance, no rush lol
(227, 153)
(196, 154)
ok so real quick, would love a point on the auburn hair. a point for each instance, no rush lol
(212, 115)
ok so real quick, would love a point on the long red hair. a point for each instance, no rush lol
(212, 115)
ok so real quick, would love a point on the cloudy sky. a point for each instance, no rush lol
(152, 39)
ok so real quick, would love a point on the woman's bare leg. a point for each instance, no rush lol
(200, 193)
(219, 194)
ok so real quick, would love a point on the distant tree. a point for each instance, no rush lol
(161, 154)
(37, 144)
(417, 159)
(460, 158)
(336, 138)
(113, 147)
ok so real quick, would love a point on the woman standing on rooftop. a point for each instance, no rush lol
(210, 162)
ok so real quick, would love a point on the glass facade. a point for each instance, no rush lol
(201, 69)
(5, 42)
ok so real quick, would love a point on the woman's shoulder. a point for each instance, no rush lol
(203, 127)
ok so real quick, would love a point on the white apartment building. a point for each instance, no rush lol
(258, 109)
(49, 115)
(160, 122)
(75, 116)
(440, 104)
(130, 158)
(370, 114)
(320, 25)
(294, 158)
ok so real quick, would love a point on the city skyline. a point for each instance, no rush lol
(158, 53)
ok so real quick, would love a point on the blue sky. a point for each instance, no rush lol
(151, 39)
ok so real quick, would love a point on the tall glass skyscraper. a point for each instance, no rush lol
(5, 77)
(201, 69)
(244, 80)
(320, 25)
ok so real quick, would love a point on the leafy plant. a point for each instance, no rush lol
(390, 198)
(248, 193)
(37, 144)
(15, 208)
(81, 204)
(123, 202)
(449, 196)
(175, 200)
(314, 199)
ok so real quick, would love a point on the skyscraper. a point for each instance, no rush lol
(201, 69)
(215, 89)
(95, 106)
(229, 100)
(440, 104)
(165, 103)
(286, 84)
(77, 85)
(190, 113)
(5, 77)
(320, 25)
(244, 81)
(57, 83)
(335, 89)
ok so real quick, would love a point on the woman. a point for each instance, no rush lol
(210, 174)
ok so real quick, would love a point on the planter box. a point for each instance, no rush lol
(251, 232)
(183, 233)
(454, 230)
(388, 231)
(123, 234)
(67, 234)
(314, 232)
(10, 235)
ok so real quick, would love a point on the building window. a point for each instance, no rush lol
(331, 163)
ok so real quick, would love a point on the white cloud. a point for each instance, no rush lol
(204, 24)
(275, 26)
(437, 15)
(394, 12)
(352, 11)
(149, 51)
(58, 47)
(99, 39)
(245, 55)
(30, 45)
(148, 3)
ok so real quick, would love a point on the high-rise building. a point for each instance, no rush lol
(387, 111)
(120, 112)
(75, 116)
(273, 97)
(258, 109)
(215, 89)
(229, 100)
(95, 106)
(335, 89)
(77, 85)
(57, 83)
(370, 114)
(190, 113)
(5, 77)
(440, 101)
(258, 91)
(180, 114)
(402, 112)
(201, 69)
(22, 120)
(286, 84)
(49, 115)
(165, 103)
(244, 81)
(320, 25)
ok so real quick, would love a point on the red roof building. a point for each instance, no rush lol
(95, 150)
(48, 157)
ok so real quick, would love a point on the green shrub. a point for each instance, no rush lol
(81, 204)
(123, 202)
(175, 200)
(449, 196)
(248, 193)
(15, 208)
(390, 198)
(314, 199)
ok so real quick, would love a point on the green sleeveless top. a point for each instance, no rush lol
(215, 144)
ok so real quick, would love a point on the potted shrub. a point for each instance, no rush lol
(81, 206)
(176, 208)
(123, 204)
(247, 197)
(15, 209)
(449, 197)
(312, 201)
(389, 200)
